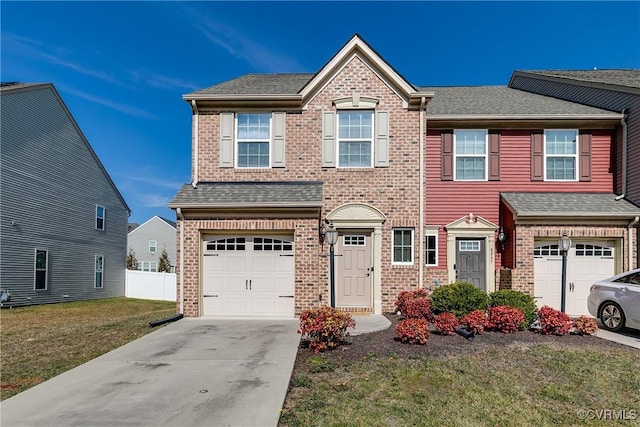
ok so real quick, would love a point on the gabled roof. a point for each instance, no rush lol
(616, 77)
(549, 204)
(295, 90)
(249, 194)
(159, 218)
(8, 89)
(504, 102)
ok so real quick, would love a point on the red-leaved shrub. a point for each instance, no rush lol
(505, 319)
(324, 327)
(475, 321)
(446, 323)
(418, 308)
(413, 331)
(405, 296)
(585, 325)
(553, 321)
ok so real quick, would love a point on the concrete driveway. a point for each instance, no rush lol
(195, 372)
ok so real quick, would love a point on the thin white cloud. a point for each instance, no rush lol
(160, 81)
(152, 200)
(150, 180)
(122, 108)
(239, 45)
(40, 50)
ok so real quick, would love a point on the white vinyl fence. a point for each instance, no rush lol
(150, 285)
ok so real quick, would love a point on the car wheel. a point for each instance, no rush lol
(612, 316)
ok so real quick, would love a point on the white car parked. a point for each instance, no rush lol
(616, 301)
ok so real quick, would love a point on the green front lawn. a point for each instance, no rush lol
(40, 342)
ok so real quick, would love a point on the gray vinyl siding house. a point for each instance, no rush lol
(63, 222)
(158, 233)
(616, 90)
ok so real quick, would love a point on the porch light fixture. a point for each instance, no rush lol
(332, 238)
(564, 244)
(502, 237)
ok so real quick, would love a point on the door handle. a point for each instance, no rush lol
(249, 284)
(246, 285)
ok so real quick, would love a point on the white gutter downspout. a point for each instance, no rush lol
(196, 142)
(181, 218)
(623, 123)
(629, 227)
(421, 197)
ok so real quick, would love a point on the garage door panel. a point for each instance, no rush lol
(587, 262)
(249, 276)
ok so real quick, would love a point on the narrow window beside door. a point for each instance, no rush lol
(99, 271)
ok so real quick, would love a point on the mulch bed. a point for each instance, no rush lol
(385, 344)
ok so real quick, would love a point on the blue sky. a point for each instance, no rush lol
(122, 67)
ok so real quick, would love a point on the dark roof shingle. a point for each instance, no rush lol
(569, 204)
(230, 194)
(616, 77)
(259, 84)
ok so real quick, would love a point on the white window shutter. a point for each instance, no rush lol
(226, 140)
(382, 140)
(328, 140)
(277, 151)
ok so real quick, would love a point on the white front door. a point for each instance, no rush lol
(587, 262)
(248, 276)
(353, 270)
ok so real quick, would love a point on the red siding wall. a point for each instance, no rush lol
(447, 201)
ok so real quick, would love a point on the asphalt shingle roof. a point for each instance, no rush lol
(229, 194)
(569, 204)
(500, 100)
(259, 84)
(619, 77)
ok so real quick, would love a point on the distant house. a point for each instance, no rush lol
(63, 222)
(149, 239)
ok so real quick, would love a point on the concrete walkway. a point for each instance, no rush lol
(627, 337)
(368, 324)
(194, 372)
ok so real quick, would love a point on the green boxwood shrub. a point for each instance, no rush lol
(458, 298)
(516, 299)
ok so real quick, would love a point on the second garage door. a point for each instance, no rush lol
(586, 263)
(248, 276)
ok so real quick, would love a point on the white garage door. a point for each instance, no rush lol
(587, 262)
(248, 276)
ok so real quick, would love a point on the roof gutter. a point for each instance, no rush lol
(181, 218)
(196, 142)
(244, 205)
(635, 221)
(520, 117)
(623, 123)
(423, 104)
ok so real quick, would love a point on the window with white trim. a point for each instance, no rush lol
(153, 246)
(99, 271)
(547, 250)
(353, 240)
(148, 266)
(561, 155)
(470, 155)
(100, 217)
(253, 140)
(227, 244)
(402, 251)
(431, 250)
(40, 267)
(355, 139)
(469, 246)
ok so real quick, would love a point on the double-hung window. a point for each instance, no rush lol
(561, 155)
(470, 151)
(99, 271)
(100, 217)
(355, 139)
(153, 246)
(41, 266)
(402, 246)
(431, 249)
(253, 139)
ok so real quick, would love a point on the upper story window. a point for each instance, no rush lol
(100, 217)
(153, 246)
(355, 139)
(253, 138)
(470, 153)
(561, 155)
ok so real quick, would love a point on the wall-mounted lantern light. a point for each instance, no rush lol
(502, 237)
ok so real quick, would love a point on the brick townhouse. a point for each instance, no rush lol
(419, 183)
